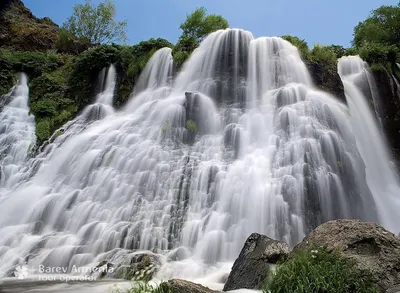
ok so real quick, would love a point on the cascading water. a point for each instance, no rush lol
(381, 175)
(17, 132)
(240, 142)
(157, 72)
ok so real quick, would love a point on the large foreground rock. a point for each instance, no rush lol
(182, 286)
(253, 264)
(370, 246)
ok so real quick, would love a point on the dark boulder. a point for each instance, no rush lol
(325, 77)
(389, 94)
(369, 246)
(252, 266)
(130, 266)
(181, 286)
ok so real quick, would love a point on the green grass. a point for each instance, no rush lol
(318, 271)
(141, 287)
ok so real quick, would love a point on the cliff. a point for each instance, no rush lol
(21, 30)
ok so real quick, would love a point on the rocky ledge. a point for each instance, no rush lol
(370, 247)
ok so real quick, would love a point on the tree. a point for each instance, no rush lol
(198, 24)
(96, 23)
(377, 39)
(382, 27)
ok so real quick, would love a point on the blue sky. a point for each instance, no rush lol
(317, 21)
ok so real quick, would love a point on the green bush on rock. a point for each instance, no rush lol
(191, 126)
(323, 54)
(318, 271)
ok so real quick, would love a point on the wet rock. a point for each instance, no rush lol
(389, 94)
(395, 289)
(131, 266)
(252, 266)
(370, 246)
(326, 77)
(181, 286)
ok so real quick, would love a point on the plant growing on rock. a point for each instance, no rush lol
(319, 271)
(191, 126)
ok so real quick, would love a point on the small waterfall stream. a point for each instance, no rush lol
(17, 133)
(381, 175)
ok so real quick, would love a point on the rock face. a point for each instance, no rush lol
(389, 93)
(370, 246)
(253, 264)
(21, 30)
(181, 286)
(326, 78)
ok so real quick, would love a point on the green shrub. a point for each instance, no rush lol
(36, 63)
(301, 45)
(180, 58)
(323, 54)
(70, 44)
(182, 50)
(318, 271)
(44, 108)
(7, 74)
(339, 51)
(86, 68)
(142, 287)
(32, 63)
(378, 53)
(43, 131)
(191, 126)
(144, 47)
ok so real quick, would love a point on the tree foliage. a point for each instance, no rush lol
(382, 27)
(377, 39)
(198, 24)
(96, 23)
(323, 54)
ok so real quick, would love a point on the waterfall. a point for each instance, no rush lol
(157, 72)
(381, 175)
(107, 88)
(239, 142)
(17, 132)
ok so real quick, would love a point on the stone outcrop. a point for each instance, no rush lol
(130, 266)
(252, 266)
(389, 106)
(21, 30)
(325, 77)
(181, 286)
(369, 246)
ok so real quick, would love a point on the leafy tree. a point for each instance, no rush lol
(338, 50)
(198, 24)
(96, 23)
(321, 53)
(383, 27)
